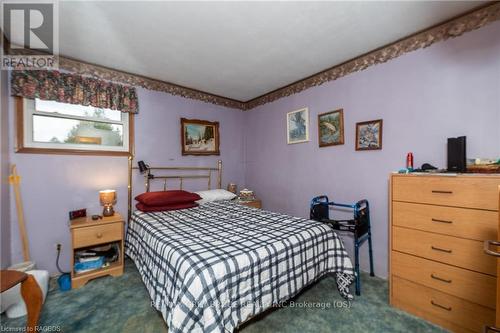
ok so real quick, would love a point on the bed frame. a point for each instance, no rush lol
(148, 177)
(165, 176)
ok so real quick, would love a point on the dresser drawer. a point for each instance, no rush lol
(470, 192)
(461, 222)
(441, 308)
(475, 287)
(451, 250)
(98, 234)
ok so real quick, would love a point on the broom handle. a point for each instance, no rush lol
(14, 179)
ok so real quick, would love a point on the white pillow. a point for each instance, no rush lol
(214, 195)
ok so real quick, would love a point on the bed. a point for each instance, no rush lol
(213, 267)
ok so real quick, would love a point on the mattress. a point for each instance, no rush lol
(210, 268)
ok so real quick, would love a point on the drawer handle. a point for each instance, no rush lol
(440, 249)
(442, 192)
(487, 249)
(440, 279)
(442, 221)
(491, 329)
(447, 308)
(98, 235)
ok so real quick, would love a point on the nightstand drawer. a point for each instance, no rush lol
(97, 234)
(251, 203)
(254, 204)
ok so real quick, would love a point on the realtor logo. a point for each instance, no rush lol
(30, 39)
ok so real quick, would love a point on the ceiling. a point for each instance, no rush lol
(239, 50)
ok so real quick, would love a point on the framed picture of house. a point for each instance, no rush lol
(331, 128)
(369, 135)
(297, 126)
(199, 137)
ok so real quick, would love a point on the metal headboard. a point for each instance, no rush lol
(149, 176)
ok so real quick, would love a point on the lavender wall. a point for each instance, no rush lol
(449, 89)
(158, 138)
(52, 185)
(4, 172)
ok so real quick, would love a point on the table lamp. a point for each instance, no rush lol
(107, 198)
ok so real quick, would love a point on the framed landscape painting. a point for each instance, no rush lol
(199, 137)
(331, 128)
(369, 135)
(297, 126)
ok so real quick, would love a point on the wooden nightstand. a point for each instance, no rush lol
(256, 203)
(86, 233)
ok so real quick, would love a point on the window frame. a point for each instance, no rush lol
(23, 147)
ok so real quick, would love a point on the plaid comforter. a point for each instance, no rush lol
(209, 268)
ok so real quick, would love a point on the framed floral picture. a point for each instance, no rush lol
(297, 126)
(369, 135)
(199, 137)
(331, 128)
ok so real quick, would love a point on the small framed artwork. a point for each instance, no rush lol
(331, 128)
(199, 137)
(297, 126)
(369, 135)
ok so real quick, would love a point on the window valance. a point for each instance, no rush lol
(74, 89)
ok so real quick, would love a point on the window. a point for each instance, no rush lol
(54, 127)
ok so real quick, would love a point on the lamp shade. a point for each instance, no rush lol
(107, 197)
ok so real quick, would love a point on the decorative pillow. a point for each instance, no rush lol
(164, 198)
(214, 195)
(146, 208)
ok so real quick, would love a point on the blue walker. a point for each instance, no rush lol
(359, 225)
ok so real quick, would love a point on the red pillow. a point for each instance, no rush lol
(146, 208)
(164, 198)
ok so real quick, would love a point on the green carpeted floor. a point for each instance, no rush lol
(122, 305)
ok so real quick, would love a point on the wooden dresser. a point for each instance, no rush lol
(437, 267)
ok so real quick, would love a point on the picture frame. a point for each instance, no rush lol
(331, 128)
(297, 126)
(369, 135)
(199, 137)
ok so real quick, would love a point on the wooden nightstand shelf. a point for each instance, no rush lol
(87, 233)
(256, 203)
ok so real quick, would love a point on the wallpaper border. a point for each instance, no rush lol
(82, 68)
(450, 29)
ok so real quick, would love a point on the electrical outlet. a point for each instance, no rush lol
(58, 246)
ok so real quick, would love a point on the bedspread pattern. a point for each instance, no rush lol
(209, 268)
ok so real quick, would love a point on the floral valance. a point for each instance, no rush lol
(74, 89)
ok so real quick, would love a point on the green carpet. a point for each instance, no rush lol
(122, 305)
